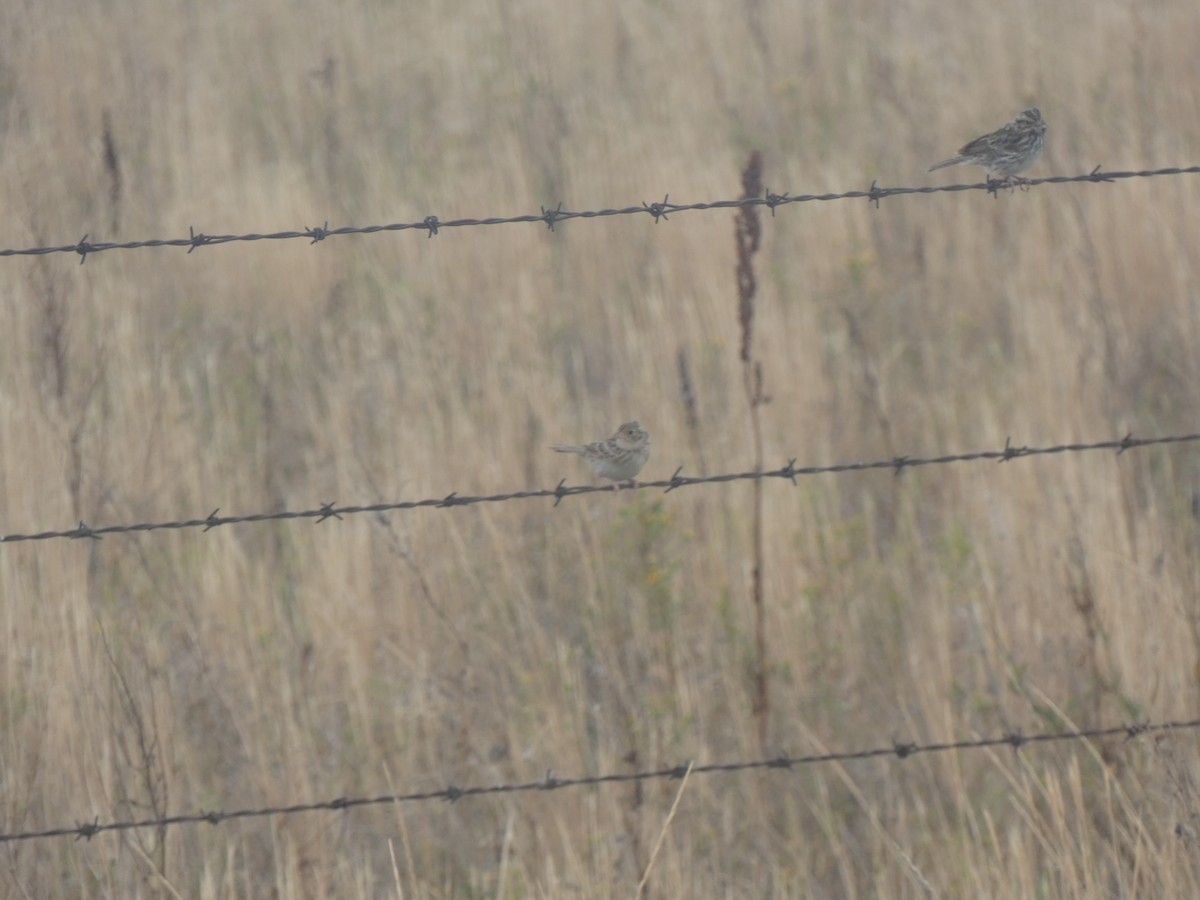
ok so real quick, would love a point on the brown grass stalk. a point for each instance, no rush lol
(748, 235)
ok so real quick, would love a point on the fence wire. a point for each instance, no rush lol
(790, 472)
(432, 224)
(551, 782)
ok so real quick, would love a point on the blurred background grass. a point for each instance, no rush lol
(265, 664)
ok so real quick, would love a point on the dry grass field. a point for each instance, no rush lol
(265, 664)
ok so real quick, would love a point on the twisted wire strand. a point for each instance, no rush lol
(678, 480)
(432, 224)
(550, 782)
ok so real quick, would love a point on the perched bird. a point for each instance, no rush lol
(617, 459)
(1008, 150)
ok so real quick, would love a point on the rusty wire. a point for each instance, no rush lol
(433, 224)
(678, 480)
(551, 782)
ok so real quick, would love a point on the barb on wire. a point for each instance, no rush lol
(550, 782)
(789, 472)
(659, 211)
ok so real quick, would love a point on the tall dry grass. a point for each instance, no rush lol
(263, 664)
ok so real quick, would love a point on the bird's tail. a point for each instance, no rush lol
(566, 448)
(954, 161)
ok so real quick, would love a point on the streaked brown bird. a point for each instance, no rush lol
(617, 459)
(1007, 151)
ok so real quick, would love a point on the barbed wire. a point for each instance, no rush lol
(790, 471)
(1015, 740)
(432, 224)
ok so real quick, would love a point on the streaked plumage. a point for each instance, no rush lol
(620, 457)
(1007, 151)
